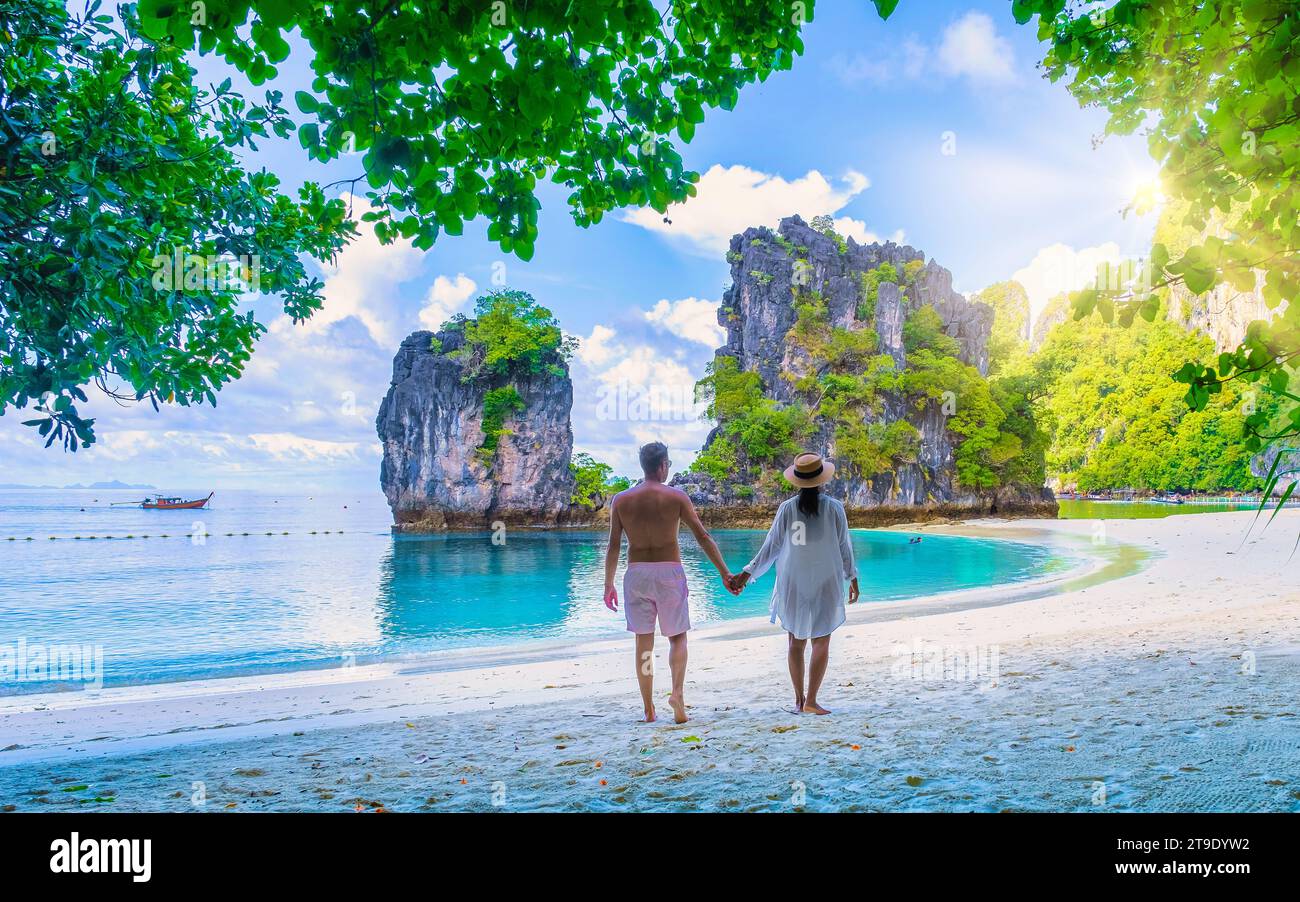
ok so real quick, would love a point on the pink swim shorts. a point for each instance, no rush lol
(653, 590)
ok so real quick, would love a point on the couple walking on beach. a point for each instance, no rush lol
(808, 543)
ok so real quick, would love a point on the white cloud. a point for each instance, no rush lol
(644, 366)
(690, 318)
(1059, 267)
(445, 298)
(905, 60)
(972, 48)
(596, 350)
(730, 199)
(124, 444)
(362, 284)
(287, 446)
(858, 231)
(684, 439)
(627, 393)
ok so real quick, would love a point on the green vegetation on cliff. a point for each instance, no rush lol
(871, 280)
(498, 405)
(749, 422)
(1000, 441)
(593, 481)
(1118, 421)
(845, 383)
(1008, 340)
(510, 336)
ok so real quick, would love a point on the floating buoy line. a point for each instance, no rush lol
(177, 535)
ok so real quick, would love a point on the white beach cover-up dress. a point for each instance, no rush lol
(809, 594)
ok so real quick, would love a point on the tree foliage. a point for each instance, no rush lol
(511, 334)
(460, 107)
(1118, 421)
(593, 481)
(751, 424)
(129, 233)
(1213, 87)
(499, 404)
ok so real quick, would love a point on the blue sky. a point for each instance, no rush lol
(933, 129)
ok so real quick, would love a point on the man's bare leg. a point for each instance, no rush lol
(645, 672)
(821, 650)
(795, 660)
(677, 662)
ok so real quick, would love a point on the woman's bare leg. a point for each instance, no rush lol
(821, 650)
(795, 660)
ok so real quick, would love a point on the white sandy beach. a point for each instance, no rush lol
(1173, 687)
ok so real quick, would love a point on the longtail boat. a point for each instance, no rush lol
(158, 502)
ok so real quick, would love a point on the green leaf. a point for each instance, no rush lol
(1022, 11)
(885, 8)
(309, 135)
(1281, 502)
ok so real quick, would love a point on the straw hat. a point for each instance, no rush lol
(809, 470)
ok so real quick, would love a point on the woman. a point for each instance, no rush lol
(809, 542)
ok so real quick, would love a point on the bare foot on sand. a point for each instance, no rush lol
(798, 703)
(810, 707)
(679, 708)
(649, 715)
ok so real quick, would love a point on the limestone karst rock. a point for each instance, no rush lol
(769, 268)
(435, 472)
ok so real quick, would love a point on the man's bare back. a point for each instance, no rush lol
(651, 515)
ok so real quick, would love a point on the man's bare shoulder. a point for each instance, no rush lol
(664, 490)
(628, 495)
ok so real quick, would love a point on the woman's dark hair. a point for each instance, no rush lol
(808, 502)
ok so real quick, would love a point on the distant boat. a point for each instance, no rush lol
(1158, 499)
(161, 503)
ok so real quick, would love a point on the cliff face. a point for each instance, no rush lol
(769, 270)
(1056, 312)
(758, 312)
(435, 472)
(1222, 313)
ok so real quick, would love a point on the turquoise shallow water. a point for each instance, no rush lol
(1143, 510)
(200, 602)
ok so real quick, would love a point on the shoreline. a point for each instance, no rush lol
(737, 516)
(1090, 652)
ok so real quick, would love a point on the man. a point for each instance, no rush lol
(654, 586)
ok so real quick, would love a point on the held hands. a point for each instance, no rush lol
(853, 590)
(611, 597)
(736, 582)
